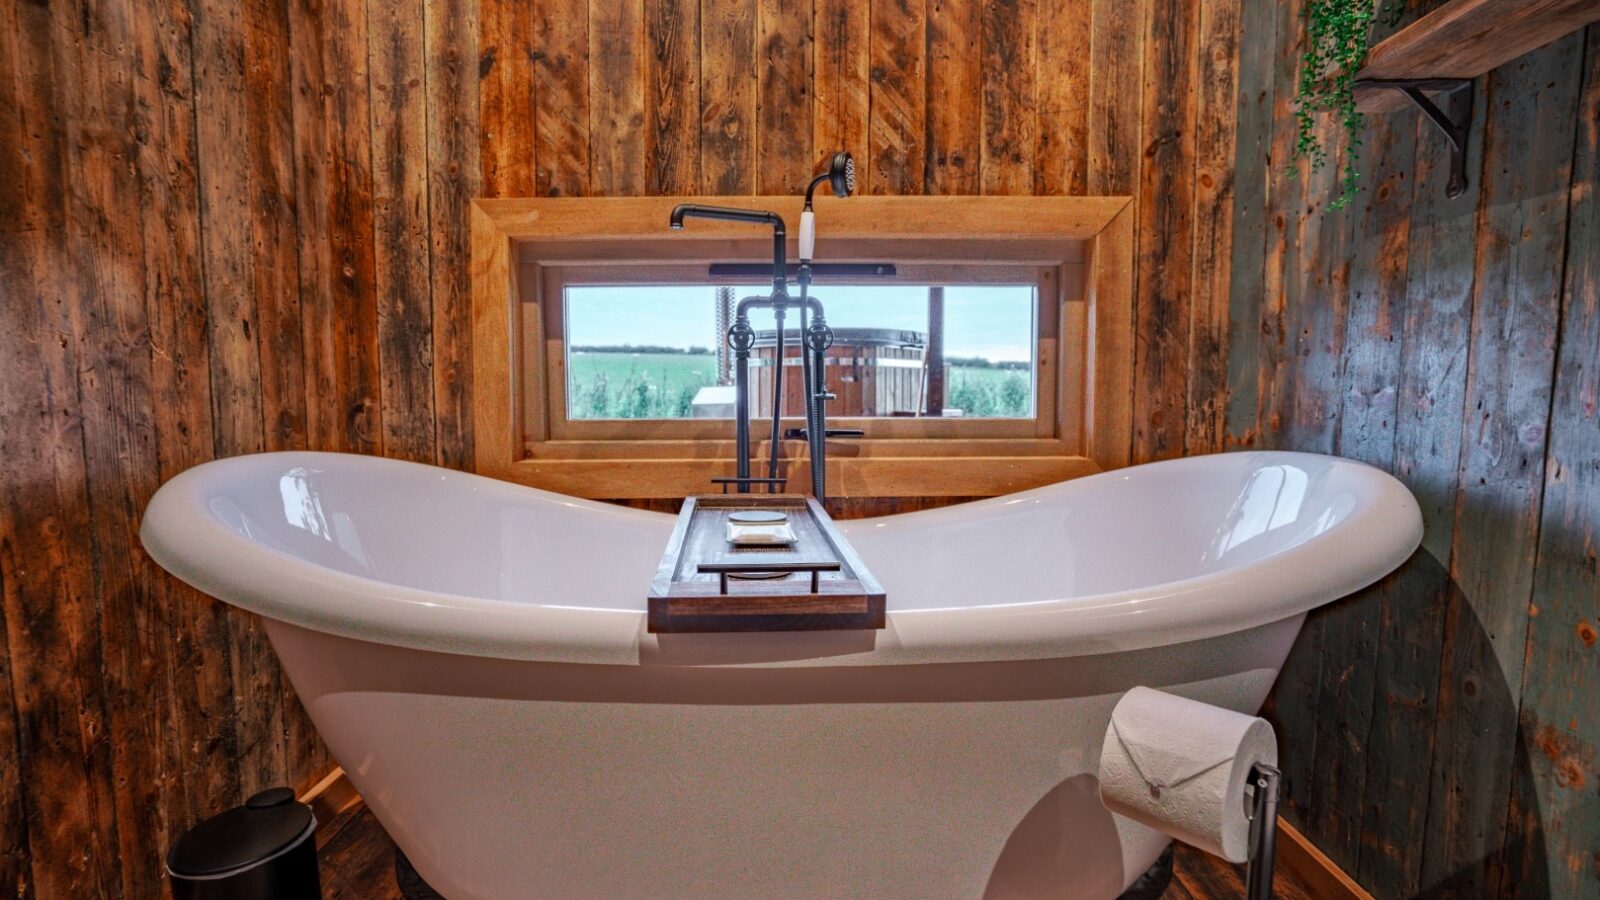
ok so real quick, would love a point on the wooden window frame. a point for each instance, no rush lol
(1084, 368)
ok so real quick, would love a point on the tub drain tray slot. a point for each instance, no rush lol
(707, 584)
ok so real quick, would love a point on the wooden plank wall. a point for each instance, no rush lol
(236, 227)
(239, 227)
(1439, 730)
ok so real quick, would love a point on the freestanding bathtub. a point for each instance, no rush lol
(474, 653)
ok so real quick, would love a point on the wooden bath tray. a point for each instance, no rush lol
(819, 583)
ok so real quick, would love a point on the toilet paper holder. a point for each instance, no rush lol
(1263, 831)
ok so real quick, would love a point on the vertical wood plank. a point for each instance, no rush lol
(727, 97)
(1009, 61)
(895, 134)
(1064, 32)
(1368, 424)
(334, 185)
(53, 656)
(1429, 407)
(453, 166)
(562, 112)
(508, 63)
(956, 90)
(111, 329)
(840, 77)
(1292, 706)
(19, 247)
(1315, 272)
(1554, 827)
(1517, 286)
(1116, 61)
(1211, 276)
(325, 413)
(274, 269)
(616, 97)
(497, 442)
(1166, 230)
(1111, 333)
(1362, 411)
(1253, 172)
(783, 101)
(226, 45)
(672, 28)
(187, 633)
(400, 224)
(222, 111)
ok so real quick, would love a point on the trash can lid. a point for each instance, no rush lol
(240, 838)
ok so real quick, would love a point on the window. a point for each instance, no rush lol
(641, 342)
(901, 349)
(995, 357)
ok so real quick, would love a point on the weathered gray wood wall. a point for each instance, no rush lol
(1440, 729)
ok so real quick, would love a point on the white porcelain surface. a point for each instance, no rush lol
(474, 654)
(437, 560)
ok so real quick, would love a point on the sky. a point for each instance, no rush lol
(994, 322)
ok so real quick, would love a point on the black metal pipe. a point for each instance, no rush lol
(778, 301)
(758, 302)
(815, 386)
(777, 399)
(741, 422)
(741, 337)
(807, 385)
(818, 433)
(1263, 831)
(780, 265)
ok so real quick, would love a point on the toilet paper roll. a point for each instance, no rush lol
(1180, 766)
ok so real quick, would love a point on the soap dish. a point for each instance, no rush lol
(763, 534)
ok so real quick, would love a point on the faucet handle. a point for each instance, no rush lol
(800, 434)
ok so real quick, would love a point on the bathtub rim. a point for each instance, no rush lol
(216, 559)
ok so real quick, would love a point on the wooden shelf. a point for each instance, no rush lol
(1466, 38)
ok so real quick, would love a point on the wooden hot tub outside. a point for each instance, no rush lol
(872, 371)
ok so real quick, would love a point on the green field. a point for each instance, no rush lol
(615, 385)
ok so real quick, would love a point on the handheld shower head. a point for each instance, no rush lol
(841, 177)
(842, 174)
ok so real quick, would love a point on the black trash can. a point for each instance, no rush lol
(259, 851)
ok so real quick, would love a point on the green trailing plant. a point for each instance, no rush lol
(1337, 35)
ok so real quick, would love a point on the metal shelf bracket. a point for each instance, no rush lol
(1455, 120)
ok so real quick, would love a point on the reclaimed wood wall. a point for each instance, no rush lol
(1439, 730)
(234, 227)
(227, 228)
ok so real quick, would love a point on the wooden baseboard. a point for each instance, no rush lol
(331, 796)
(335, 794)
(1321, 875)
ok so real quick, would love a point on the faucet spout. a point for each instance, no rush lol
(780, 233)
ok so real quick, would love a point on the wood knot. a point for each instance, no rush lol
(1587, 633)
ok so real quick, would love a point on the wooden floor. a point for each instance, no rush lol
(358, 864)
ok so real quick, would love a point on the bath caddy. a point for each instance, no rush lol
(706, 584)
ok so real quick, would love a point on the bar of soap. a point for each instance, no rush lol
(777, 534)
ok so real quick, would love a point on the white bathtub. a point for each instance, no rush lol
(474, 654)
